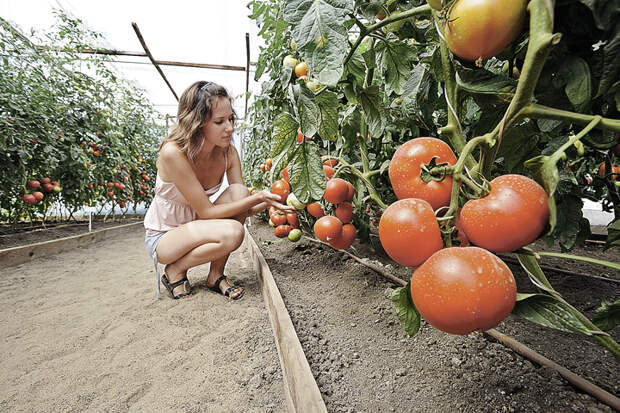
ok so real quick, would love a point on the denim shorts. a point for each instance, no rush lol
(151, 246)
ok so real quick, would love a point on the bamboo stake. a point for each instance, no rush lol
(147, 51)
(247, 73)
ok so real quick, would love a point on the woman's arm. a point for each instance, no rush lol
(178, 170)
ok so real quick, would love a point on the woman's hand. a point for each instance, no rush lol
(271, 199)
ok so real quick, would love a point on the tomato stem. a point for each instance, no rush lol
(536, 111)
(580, 258)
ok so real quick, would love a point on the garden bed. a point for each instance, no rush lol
(364, 361)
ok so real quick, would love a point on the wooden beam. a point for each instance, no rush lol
(148, 53)
(201, 65)
(247, 72)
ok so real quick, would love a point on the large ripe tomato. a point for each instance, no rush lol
(483, 28)
(315, 210)
(291, 218)
(282, 231)
(282, 188)
(327, 228)
(346, 237)
(344, 212)
(350, 191)
(404, 171)
(511, 216)
(278, 218)
(459, 290)
(336, 190)
(409, 232)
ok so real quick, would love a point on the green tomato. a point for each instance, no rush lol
(293, 45)
(294, 235)
(57, 189)
(314, 85)
(289, 60)
(436, 4)
(292, 201)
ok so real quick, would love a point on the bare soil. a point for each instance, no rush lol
(83, 331)
(365, 362)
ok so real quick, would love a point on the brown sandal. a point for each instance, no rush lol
(216, 288)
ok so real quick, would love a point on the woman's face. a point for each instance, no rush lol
(218, 130)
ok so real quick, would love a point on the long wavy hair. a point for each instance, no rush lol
(195, 109)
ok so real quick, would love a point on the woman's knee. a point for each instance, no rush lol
(233, 237)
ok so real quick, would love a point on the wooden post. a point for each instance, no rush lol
(247, 73)
(148, 53)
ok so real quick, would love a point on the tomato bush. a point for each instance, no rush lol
(402, 111)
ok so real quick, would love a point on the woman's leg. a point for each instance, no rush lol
(233, 193)
(196, 243)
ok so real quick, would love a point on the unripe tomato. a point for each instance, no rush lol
(405, 167)
(327, 228)
(301, 69)
(38, 195)
(511, 216)
(282, 231)
(289, 60)
(344, 212)
(57, 189)
(483, 28)
(34, 184)
(30, 199)
(315, 210)
(336, 191)
(282, 188)
(409, 232)
(346, 239)
(328, 171)
(330, 162)
(459, 290)
(294, 235)
(314, 85)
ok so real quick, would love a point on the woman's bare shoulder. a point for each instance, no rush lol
(170, 151)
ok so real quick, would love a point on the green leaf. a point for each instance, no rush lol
(372, 105)
(284, 130)
(407, 313)
(607, 316)
(518, 144)
(306, 172)
(394, 64)
(571, 227)
(547, 311)
(606, 12)
(495, 87)
(613, 234)
(533, 270)
(574, 74)
(416, 90)
(611, 55)
(307, 109)
(320, 34)
(328, 103)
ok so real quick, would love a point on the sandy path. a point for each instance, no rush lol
(83, 331)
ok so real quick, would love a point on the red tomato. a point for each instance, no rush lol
(344, 212)
(110, 194)
(328, 171)
(282, 188)
(350, 191)
(30, 199)
(278, 218)
(315, 210)
(38, 195)
(409, 232)
(110, 184)
(336, 191)
(460, 232)
(404, 171)
(615, 171)
(285, 175)
(48, 187)
(300, 136)
(330, 162)
(511, 216)
(346, 238)
(483, 28)
(459, 290)
(281, 231)
(291, 217)
(327, 228)
(34, 184)
(46, 181)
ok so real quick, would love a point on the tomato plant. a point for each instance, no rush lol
(403, 112)
(459, 290)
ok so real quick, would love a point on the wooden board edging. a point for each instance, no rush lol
(26, 253)
(302, 392)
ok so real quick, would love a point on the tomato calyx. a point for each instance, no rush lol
(426, 170)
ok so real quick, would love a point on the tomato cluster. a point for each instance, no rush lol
(33, 194)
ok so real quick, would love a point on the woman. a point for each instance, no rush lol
(183, 227)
